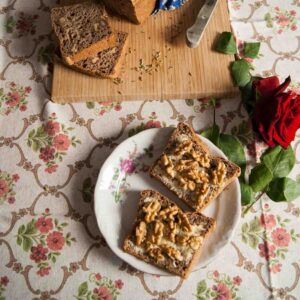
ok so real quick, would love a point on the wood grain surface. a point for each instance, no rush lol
(177, 72)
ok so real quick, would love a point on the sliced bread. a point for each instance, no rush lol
(137, 11)
(187, 168)
(106, 63)
(82, 30)
(165, 236)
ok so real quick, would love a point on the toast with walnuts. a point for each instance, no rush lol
(165, 236)
(188, 169)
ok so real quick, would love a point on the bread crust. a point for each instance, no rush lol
(183, 128)
(136, 11)
(193, 217)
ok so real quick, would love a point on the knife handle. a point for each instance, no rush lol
(195, 32)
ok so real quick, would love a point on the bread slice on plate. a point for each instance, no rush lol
(137, 11)
(188, 169)
(165, 236)
(82, 30)
(106, 63)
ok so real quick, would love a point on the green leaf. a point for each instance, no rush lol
(251, 50)
(260, 177)
(19, 240)
(90, 105)
(247, 194)
(31, 133)
(279, 161)
(234, 150)
(189, 102)
(213, 134)
(31, 228)
(27, 243)
(283, 189)
(201, 287)
(83, 289)
(226, 43)
(21, 229)
(240, 72)
(35, 145)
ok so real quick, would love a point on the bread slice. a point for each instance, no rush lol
(165, 236)
(187, 168)
(82, 30)
(137, 11)
(107, 63)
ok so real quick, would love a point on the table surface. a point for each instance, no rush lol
(50, 156)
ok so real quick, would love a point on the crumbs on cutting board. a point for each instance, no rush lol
(149, 68)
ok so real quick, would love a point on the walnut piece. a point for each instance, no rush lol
(186, 164)
(140, 233)
(202, 159)
(172, 252)
(219, 173)
(195, 242)
(173, 228)
(151, 211)
(154, 252)
(184, 222)
(182, 239)
(166, 162)
(202, 191)
(185, 183)
(198, 176)
(183, 147)
(158, 232)
(169, 213)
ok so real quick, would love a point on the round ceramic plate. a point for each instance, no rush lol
(125, 174)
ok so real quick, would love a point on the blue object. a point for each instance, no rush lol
(168, 4)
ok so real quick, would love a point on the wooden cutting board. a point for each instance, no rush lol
(177, 72)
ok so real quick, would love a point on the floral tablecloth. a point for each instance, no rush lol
(50, 155)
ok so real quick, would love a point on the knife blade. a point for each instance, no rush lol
(195, 33)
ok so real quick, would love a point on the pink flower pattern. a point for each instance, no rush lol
(15, 99)
(44, 239)
(104, 288)
(52, 141)
(7, 187)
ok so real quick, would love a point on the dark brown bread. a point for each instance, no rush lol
(201, 226)
(82, 30)
(107, 63)
(136, 11)
(191, 195)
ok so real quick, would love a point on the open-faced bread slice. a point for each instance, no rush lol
(82, 30)
(188, 169)
(165, 236)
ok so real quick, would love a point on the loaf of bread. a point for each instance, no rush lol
(106, 63)
(137, 11)
(187, 168)
(165, 236)
(82, 31)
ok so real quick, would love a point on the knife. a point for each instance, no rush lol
(194, 33)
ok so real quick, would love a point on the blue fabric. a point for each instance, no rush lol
(168, 4)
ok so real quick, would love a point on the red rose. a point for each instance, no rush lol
(38, 253)
(4, 280)
(277, 113)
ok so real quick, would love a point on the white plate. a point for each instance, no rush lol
(124, 174)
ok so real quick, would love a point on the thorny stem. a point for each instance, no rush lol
(247, 209)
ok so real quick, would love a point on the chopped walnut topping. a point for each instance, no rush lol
(184, 222)
(219, 173)
(202, 191)
(202, 159)
(172, 252)
(195, 242)
(158, 232)
(140, 233)
(151, 211)
(186, 164)
(198, 176)
(181, 239)
(167, 162)
(183, 147)
(169, 213)
(154, 252)
(173, 227)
